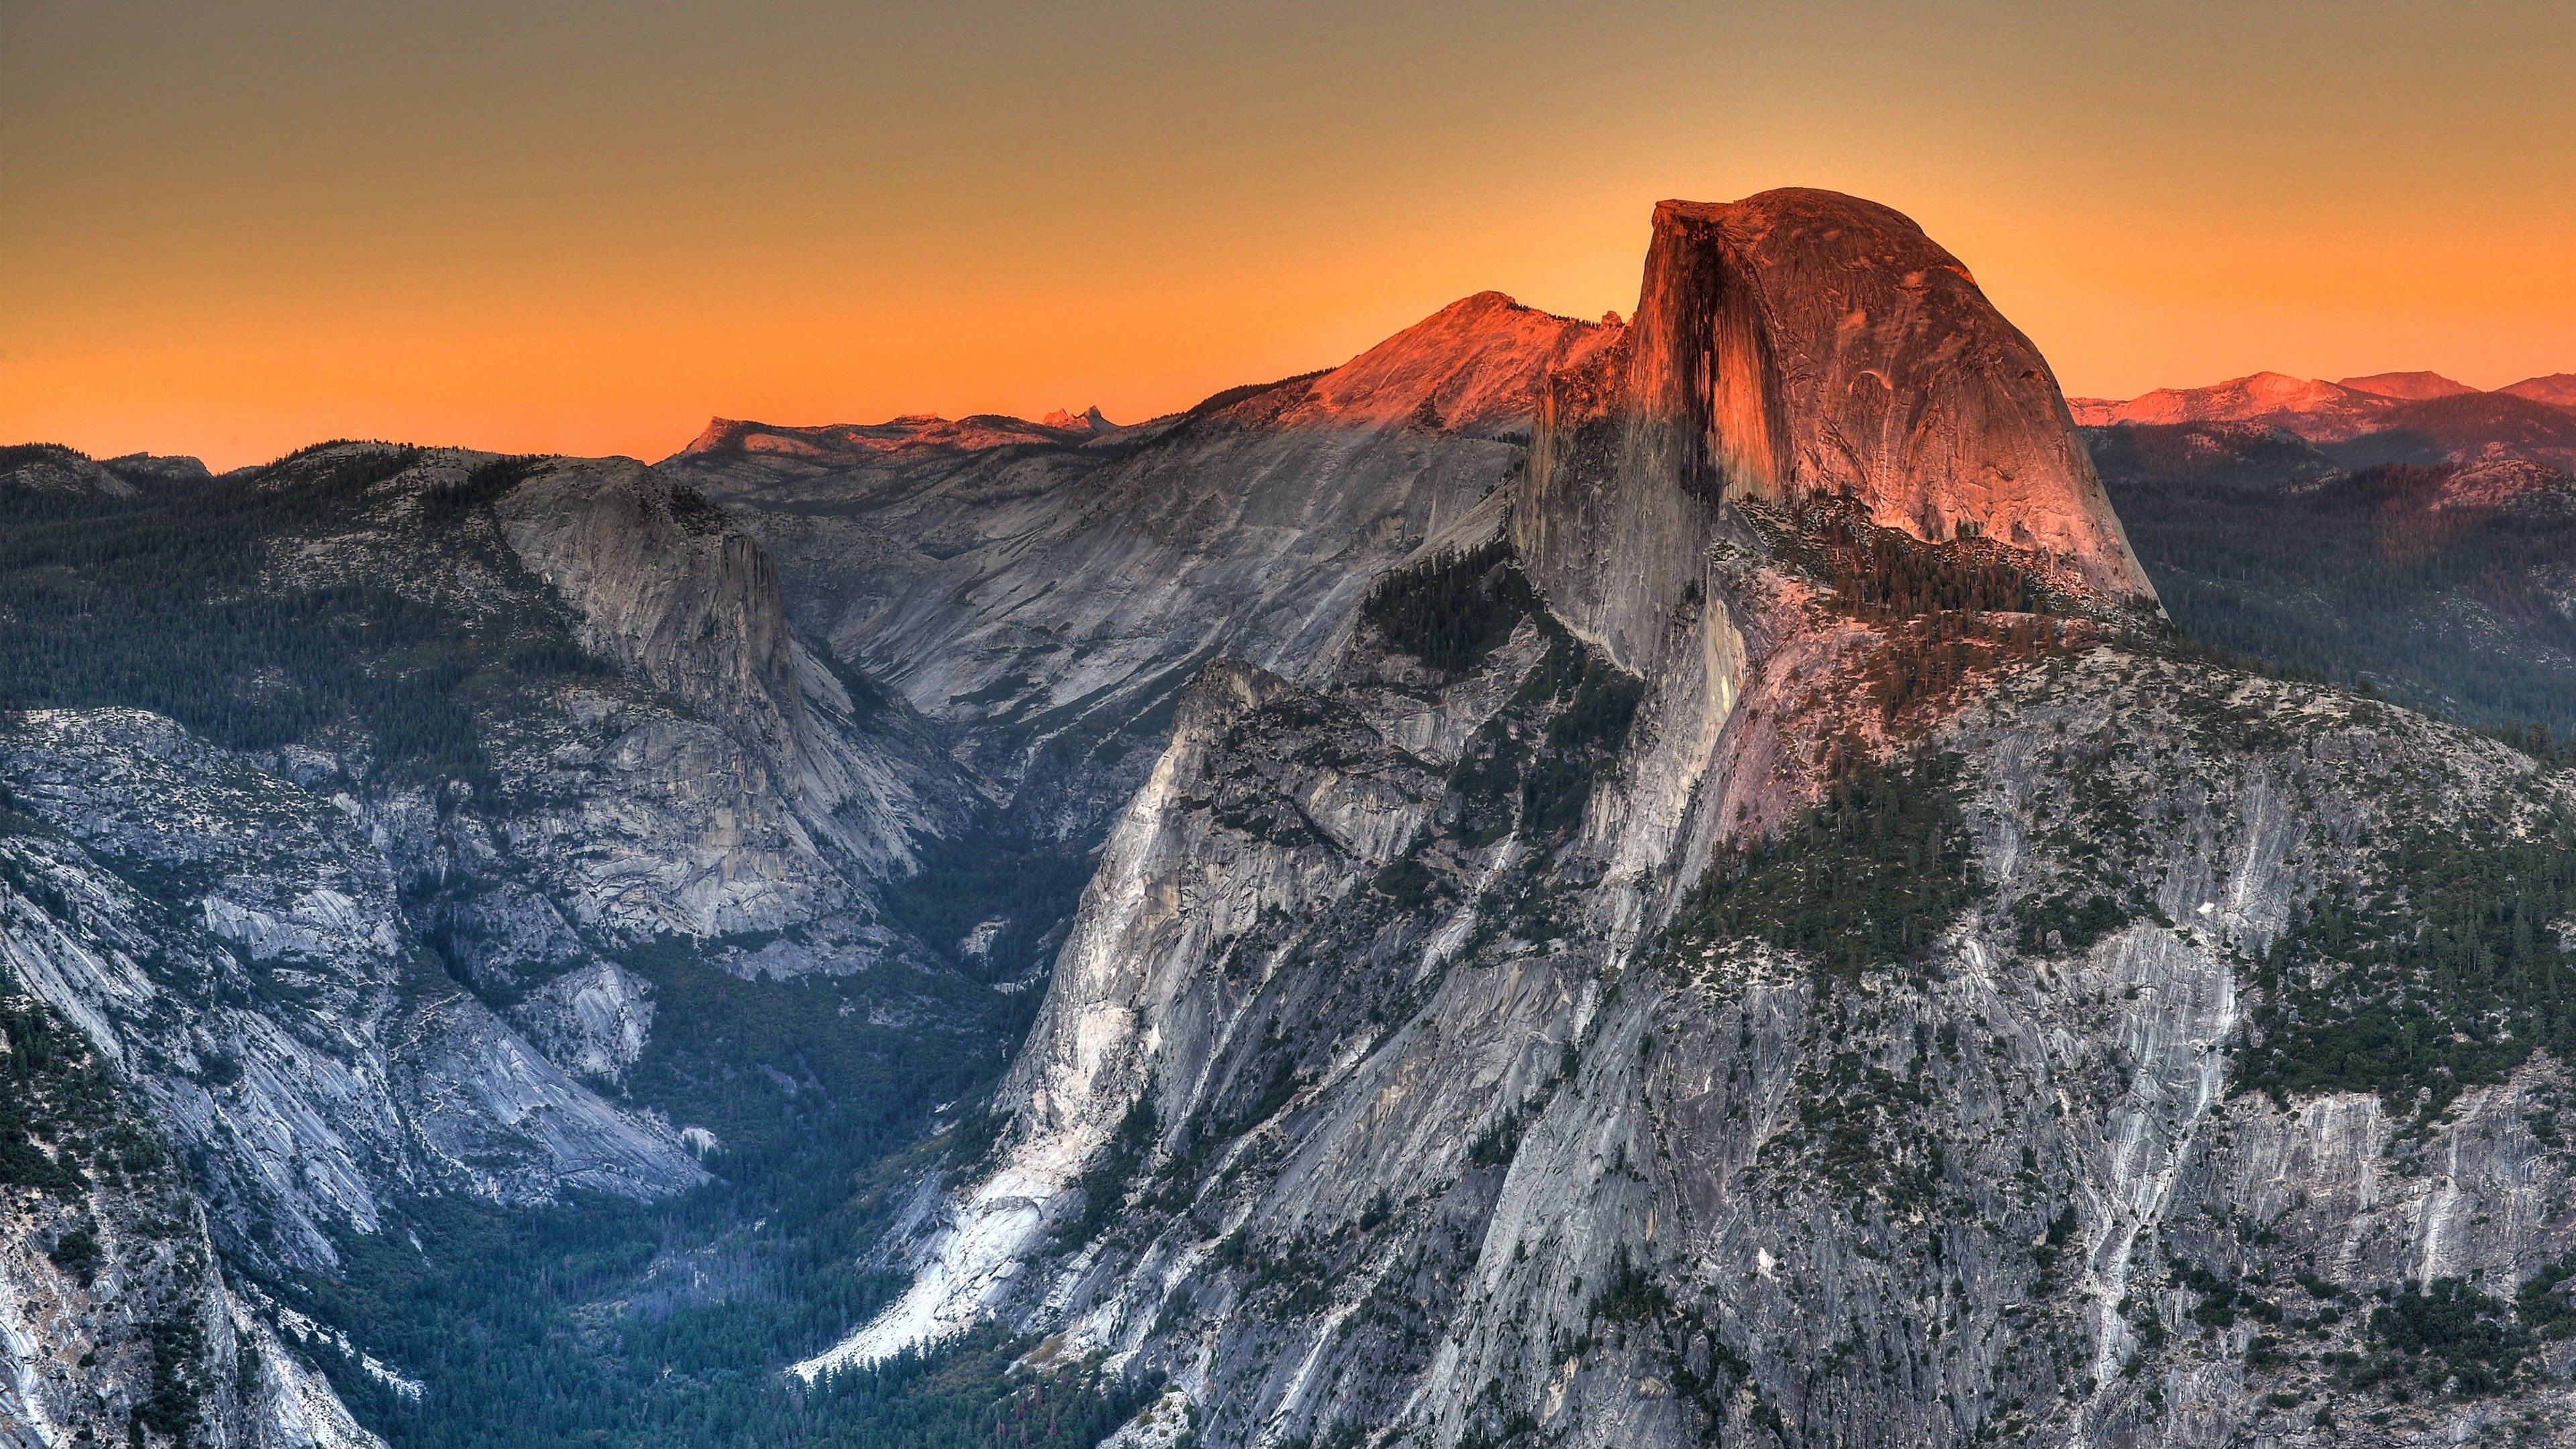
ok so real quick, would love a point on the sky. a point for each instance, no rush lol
(231, 228)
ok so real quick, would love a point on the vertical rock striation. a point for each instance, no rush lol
(1792, 346)
(1407, 1079)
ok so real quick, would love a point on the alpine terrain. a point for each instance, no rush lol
(1697, 879)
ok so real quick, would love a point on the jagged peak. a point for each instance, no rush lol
(1090, 420)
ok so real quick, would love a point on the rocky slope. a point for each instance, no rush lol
(1042, 592)
(117, 1322)
(449, 760)
(236, 947)
(1756, 938)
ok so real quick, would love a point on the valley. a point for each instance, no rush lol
(1745, 874)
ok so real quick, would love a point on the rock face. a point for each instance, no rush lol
(114, 1318)
(267, 996)
(1442, 1056)
(1796, 345)
(1043, 592)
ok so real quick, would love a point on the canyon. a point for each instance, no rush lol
(1645, 881)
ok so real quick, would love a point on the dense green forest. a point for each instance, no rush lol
(1452, 610)
(57, 1091)
(2363, 579)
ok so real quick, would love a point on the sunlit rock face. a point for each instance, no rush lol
(1376, 1100)
(1797, 345)
(1475, 366)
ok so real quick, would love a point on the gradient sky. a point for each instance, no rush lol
(233, 228)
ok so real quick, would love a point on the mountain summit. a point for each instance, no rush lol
(1797, 345)
(1475, 366)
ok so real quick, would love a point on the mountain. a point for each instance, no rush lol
(428, 838)
(1555, 882)
(46, 479)
(2558, 389)
(2410, 386)
(1044, 591)
(2239, 455)
(1756, 934)
(2450, 588)
(2317, 411)
(2472, 427)
(2395, 417)
(2399, 531)
(371, 813)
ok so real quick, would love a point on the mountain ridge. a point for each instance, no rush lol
(1638, 883)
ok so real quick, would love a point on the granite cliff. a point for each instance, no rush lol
(1754, 933)
(1647, 882)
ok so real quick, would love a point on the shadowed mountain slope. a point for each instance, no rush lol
(1702, 959)
(1045, 592)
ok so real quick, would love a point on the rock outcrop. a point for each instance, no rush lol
(1409, 1078)
(1794, 346)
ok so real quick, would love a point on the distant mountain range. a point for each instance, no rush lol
(2388, 417)
(2402, 529)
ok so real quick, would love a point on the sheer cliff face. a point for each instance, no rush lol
(668, 588)
(1793, 346)
(1044, 592)
(1406, 1078)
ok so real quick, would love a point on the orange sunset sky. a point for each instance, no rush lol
(230, 229)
